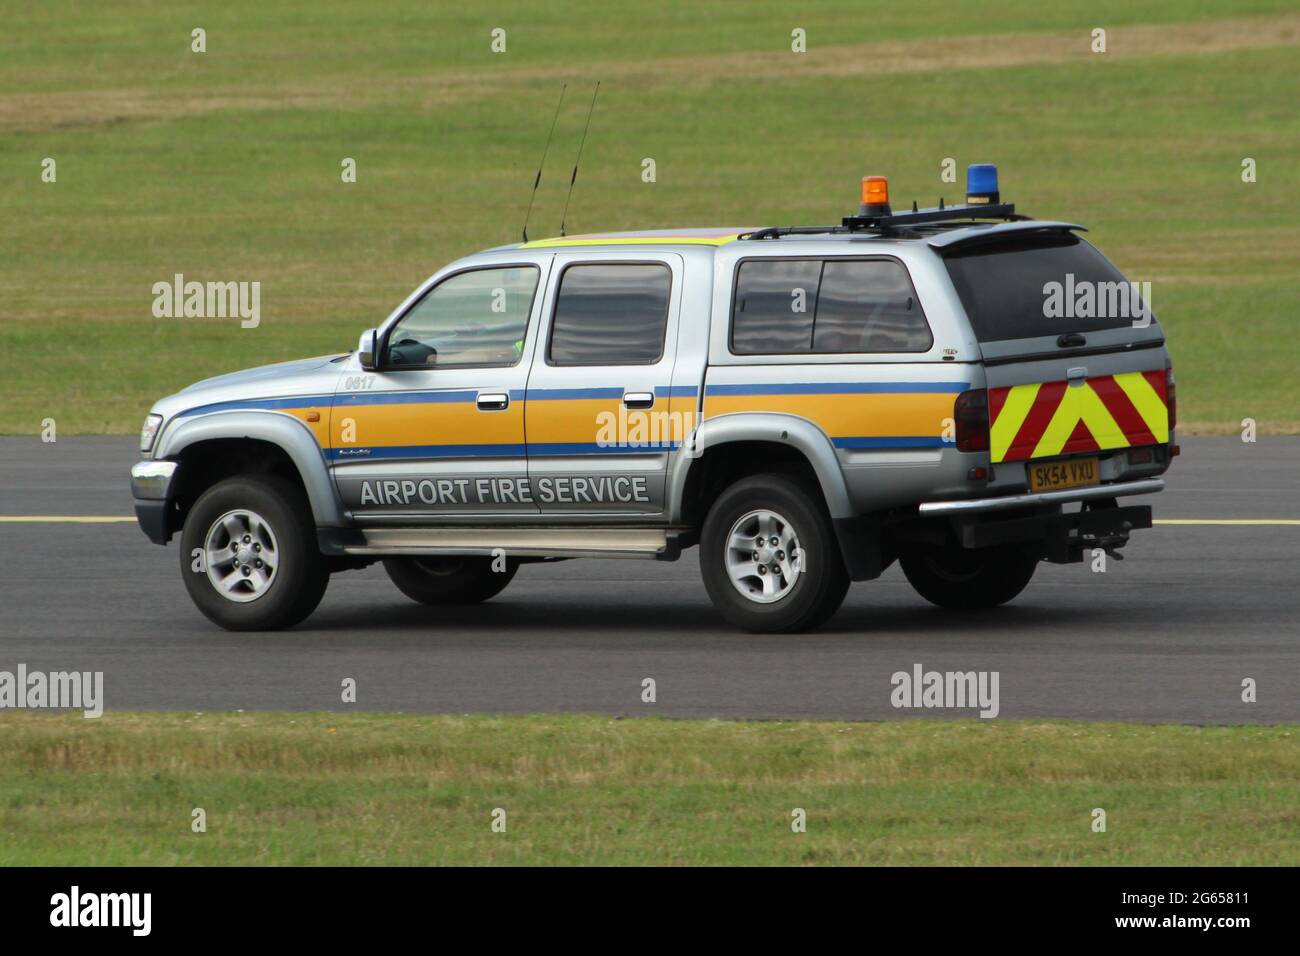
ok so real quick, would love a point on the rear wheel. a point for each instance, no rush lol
(769, 556)
(249, 557)
(449, 580)
(961, 579)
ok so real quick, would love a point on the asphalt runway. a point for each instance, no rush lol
(1167, 635)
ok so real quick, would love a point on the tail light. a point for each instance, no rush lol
(971, 414)
(1171, 400)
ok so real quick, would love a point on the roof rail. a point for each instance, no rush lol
(897, 223)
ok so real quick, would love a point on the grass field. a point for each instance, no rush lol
(369, 789)
(226, 165)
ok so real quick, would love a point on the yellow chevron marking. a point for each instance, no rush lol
(1080, 402)
(1148, 403)
(1014, 410)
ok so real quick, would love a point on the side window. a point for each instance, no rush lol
(868, 305)
(776, 300)
(471, 318)
(610, 314)
(816, 306)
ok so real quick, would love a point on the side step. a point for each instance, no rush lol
(568, 542)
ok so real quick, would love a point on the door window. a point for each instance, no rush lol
(610, 314)
(471, 319)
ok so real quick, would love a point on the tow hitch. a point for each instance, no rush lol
(1110, 543)
(1064, 537)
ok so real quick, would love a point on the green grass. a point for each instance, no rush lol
(369, 789)
(226, 165)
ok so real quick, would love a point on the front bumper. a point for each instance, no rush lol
(151, 485)
(1146, 486)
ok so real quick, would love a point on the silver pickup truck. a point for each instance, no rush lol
(964, 389)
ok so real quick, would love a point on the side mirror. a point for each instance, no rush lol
(368, 350)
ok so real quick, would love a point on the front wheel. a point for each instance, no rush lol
(450, 580)
(249, 556)
(962, 579)
(769, 556)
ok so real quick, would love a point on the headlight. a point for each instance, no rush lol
(149, 431)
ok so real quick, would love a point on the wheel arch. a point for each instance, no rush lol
(789, 439)
(251, 441)
(725, 448)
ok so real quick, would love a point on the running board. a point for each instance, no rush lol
(569, 542)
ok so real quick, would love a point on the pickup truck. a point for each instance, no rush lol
(963, 389)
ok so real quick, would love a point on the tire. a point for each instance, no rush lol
(965, 580)
(275, 516)
(797, 598)
(449, 580)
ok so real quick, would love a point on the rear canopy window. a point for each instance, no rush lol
(1042, 285)
(613, 314)
(825, 306)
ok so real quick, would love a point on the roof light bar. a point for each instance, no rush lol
(983, 201)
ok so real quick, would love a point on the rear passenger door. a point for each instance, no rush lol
(596, 415)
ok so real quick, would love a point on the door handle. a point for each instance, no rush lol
(493, 401)
(638, 399)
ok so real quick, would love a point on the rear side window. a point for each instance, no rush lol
(610, 314)
(829, 306)
(775, 302)
(1025, 288)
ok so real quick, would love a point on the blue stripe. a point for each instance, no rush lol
(423, 397)
(302, 401)
(903, 441)
(425, 451)
(594, 448)
(569, 394)
(407, 398)
(342, 398)
(842, 388)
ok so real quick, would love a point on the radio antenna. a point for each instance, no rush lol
(538, 180)
(574, 178)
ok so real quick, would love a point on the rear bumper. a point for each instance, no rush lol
(151, 484)
(1146, 486)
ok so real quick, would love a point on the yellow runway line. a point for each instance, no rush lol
(63, 519)
(1230, 521)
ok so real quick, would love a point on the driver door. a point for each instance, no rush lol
(437, 433)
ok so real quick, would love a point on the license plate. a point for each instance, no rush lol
(1053, 475)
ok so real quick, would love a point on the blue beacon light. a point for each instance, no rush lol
(981, 184)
